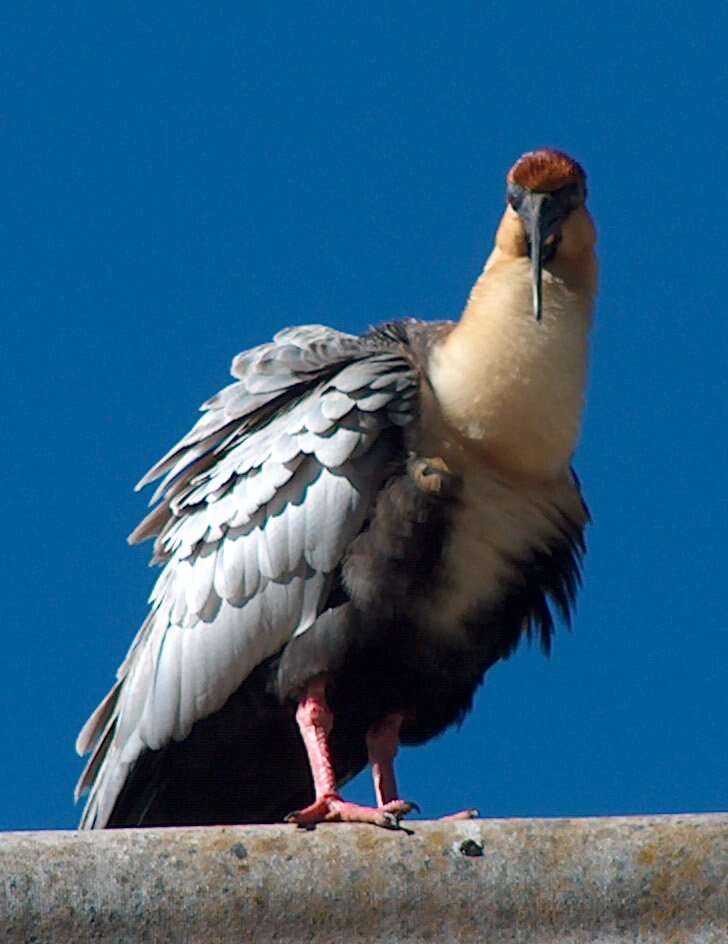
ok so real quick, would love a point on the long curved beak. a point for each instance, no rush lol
(537, 212)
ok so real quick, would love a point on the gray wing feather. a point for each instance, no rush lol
(375, 401)
(334, 404)
(259, 502)
(336, 448)
(199, 585)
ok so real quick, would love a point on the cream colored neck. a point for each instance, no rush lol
(512, 387)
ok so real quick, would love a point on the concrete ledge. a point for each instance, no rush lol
(646, 879)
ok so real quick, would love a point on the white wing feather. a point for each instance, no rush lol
(263, 497)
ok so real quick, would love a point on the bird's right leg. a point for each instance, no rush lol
(315, 721)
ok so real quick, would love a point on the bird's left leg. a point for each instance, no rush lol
(315, 721)
(383, 746)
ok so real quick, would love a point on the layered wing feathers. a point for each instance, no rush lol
(258, 505)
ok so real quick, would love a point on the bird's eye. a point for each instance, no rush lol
(515, 196)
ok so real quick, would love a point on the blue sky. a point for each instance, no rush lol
(181, 181)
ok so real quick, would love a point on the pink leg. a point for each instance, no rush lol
(383, 745)
(315, 721)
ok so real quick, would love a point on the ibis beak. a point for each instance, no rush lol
(541, 216)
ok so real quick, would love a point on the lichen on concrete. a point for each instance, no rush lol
(647, 879)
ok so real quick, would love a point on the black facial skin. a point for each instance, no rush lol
(542, 215)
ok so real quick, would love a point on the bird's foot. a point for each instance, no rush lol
(462, 814)
(333, 809)
(432, 475)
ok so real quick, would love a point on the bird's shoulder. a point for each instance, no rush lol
(312, 388)
(255, 511)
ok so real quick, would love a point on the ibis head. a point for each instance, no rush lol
(544, 188)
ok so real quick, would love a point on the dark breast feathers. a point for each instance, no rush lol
(302, 531)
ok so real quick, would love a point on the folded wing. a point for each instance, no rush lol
(257, 506)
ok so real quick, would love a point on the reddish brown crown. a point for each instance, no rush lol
(546, 170)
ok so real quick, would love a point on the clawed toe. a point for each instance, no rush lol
(333, 809)
(400, 807)
(462, 814)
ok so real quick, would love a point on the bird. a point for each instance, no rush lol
(351, 535)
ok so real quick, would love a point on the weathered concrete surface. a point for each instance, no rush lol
(646, 879)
